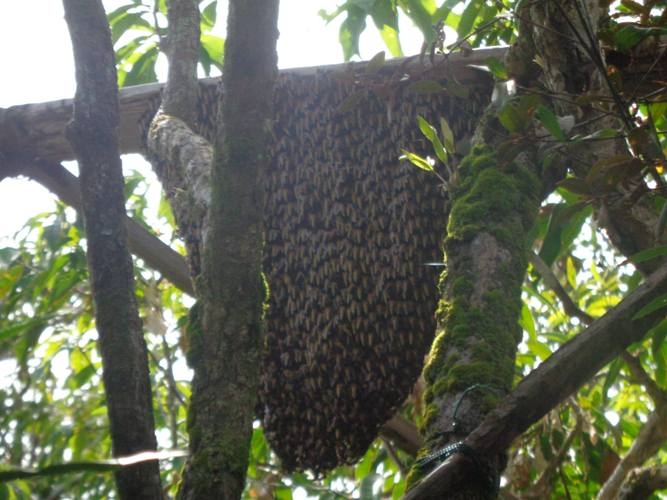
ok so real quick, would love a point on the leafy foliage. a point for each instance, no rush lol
(52, 398)
(52, 408)
(139, 28)
(476, 23)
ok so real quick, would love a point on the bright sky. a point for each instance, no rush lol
(37, 66)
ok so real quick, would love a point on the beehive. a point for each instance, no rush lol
(348, 230)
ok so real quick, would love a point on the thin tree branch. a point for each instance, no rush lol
(391, 451)
(542, 484)
(658, 395)
(551, 281)
(403, 434)
(57, 179)
(644, 482)
(181, 91)
(650, 439)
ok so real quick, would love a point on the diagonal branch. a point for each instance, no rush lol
(555, 379)
(644, 482)
(57, 179)
(551, 281)
(650, 439)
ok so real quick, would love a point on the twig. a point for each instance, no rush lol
(553, 284)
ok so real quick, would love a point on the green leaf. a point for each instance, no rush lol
(659, 352)
(653, 306)
(510, 118)
(365, 5)
(214, 47)
(115, 15)
(455, 89)
(142, 68)
(468, 17)
(575, 185)
(631, 34)
(376, 63)
(350, 29)
(608, 172)
(82, 376)
(571, 272)
(416, 160)
(127, 22)
(496, 67)
(399, 490)
(527, 322)
(366, 487)
(431, 134)
(611, 376)
(426, 128)
(539, 349)
(390, 37)
(209, 15)
(363, 468)
(550, 122)
(648, 254)
(125, 52)
(644, 143)
(22, 328)
(421, 12)
(447, 136)
(385, 17)
(634, 7)
(283, 493)
(564, 225)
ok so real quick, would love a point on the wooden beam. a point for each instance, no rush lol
(38, 129)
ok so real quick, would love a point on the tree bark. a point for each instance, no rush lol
(494, 205)
(555, 379)
(226, 351)
(93, 135)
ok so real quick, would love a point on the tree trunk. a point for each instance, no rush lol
(226, 351)
(93, 135)
(502, 183)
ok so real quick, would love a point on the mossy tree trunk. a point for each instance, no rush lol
(501, 184)
(226, 351)
(471, 364)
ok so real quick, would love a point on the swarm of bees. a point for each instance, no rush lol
(349, 229)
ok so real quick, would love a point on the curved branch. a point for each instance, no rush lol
(650, 439)
(643, 482)
(57, 179)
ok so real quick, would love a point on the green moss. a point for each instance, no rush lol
(488, 194)
(462, 286)
(478, 340)
(430, 415)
